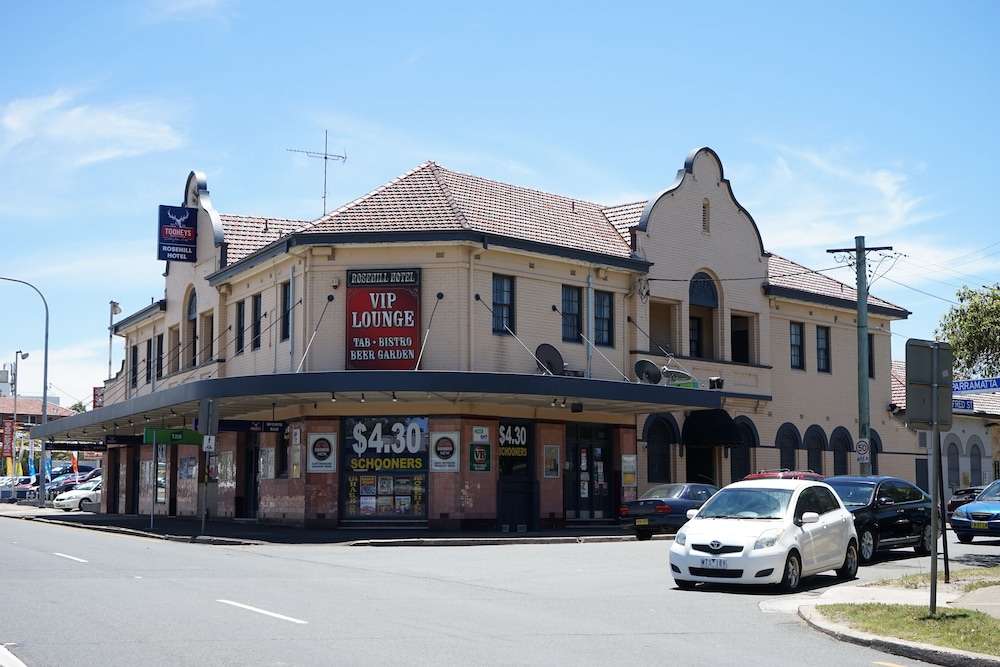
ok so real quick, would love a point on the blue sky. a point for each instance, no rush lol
(832, 120)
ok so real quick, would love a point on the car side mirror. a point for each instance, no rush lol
(807, 517)
(885, 500)
(691, 513)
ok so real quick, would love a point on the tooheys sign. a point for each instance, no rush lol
(178, 234)
(383, 319)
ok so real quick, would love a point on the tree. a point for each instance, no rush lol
(79, 406)
(972, 328)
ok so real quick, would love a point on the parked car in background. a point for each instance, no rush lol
(28, 489)
(962, 496)
(8, 486)
(766, 531)
(889, 513)
(63, 483)
(86, 492)
(785, 473)
(980, 517)
(67, 468)
(662, 508)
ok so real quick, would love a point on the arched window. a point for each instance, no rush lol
(191, 330)
(840, 443)
(787, 441)
(703, 301)
(954, 476)
(875, 448)
(815, 443)
(975, 465)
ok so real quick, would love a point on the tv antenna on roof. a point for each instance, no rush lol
(326, 158)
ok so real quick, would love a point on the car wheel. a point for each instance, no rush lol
(849, 570)
(793, 573)
(964, 539)
(643, 535)
(868, 545)
(684, 584)
(926, 541)
(80, 506)
(67, 509)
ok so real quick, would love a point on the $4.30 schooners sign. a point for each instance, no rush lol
(383, 319)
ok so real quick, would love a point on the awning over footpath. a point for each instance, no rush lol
(707, 428)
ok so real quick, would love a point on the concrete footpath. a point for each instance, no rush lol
(229, 532)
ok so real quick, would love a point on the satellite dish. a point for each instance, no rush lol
(549, 359)
(676, 376)
(647, 371)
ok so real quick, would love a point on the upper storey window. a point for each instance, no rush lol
(703, 302)
(705, 216)
(503, 304)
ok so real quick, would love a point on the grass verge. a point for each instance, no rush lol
(953, 628)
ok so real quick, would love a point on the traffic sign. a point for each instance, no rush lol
(975, 386)
(863, 449)
(928, 384)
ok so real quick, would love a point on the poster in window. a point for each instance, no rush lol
(630, 470)
(444, 452)
(385, 485)
(551, 460)
(322, 452)
(368, 485)
(385, 460)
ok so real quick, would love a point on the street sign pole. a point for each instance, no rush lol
(935, 473)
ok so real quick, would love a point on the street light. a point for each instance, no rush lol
(13, 385)
(45, 389)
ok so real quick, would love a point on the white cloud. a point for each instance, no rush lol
(60, 131)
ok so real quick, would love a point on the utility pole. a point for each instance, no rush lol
(864, 406)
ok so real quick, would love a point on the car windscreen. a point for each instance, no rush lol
(663, 491)
(991, 492)
(856, 494)
(747, 503)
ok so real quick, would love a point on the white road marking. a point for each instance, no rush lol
(78, 560)
(263, 611)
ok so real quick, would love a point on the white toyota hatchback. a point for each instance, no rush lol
(766, 531)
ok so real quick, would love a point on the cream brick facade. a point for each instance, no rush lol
(686, 269)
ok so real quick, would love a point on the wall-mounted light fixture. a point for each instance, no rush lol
(333, 397)
(393, 397)
(362, 398)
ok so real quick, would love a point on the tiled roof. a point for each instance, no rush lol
(625, 217)
(246, 234)
(31, 407)
(988, 402)
(782, 272)
(431, 197)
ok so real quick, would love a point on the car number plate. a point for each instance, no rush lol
(642, 522)
(714, 563)
(980, 525)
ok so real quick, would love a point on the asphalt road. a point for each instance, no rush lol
(70, 597)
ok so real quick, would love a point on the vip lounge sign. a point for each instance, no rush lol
(178, 237)
(383, 319)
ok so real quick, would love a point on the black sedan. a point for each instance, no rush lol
(889, 513)
(663, 508)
